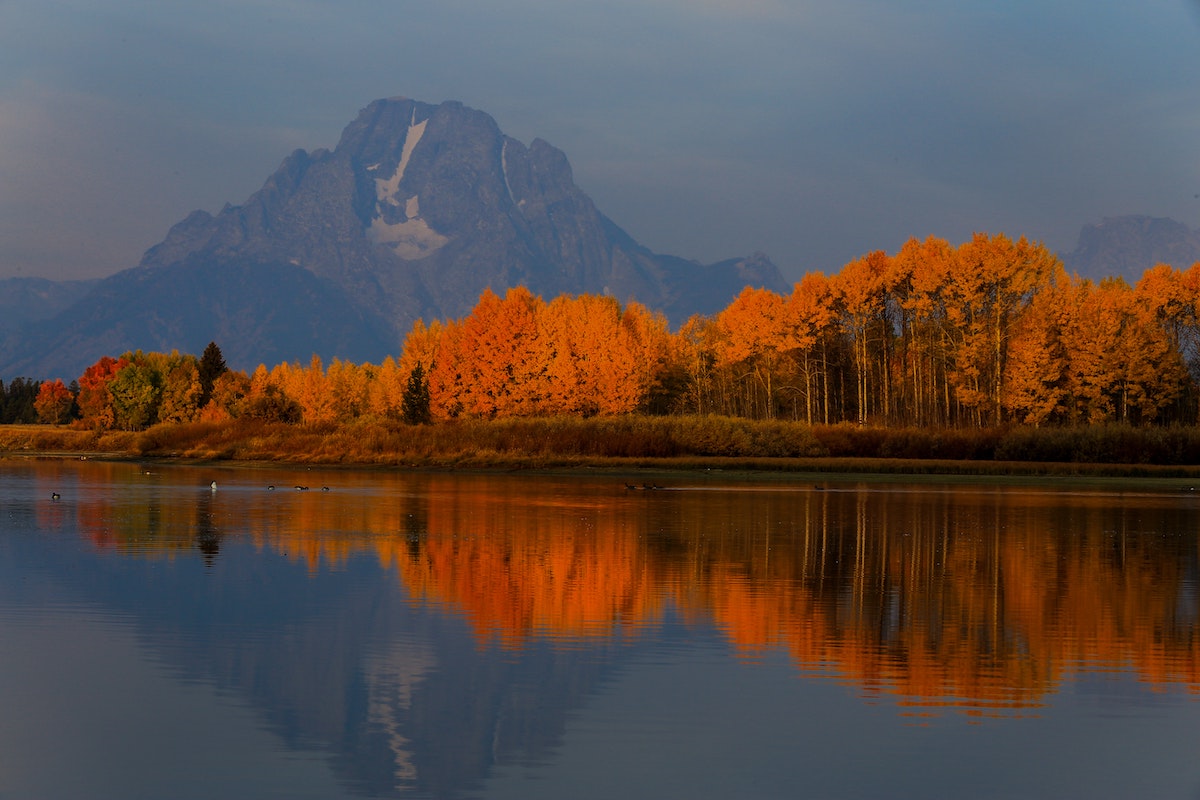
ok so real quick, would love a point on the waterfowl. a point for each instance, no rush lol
(213, 486)
(55, 495)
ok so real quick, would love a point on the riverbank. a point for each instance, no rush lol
(641, 443)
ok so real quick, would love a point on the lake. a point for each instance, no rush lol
(409, 635)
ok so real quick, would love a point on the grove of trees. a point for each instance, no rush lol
(986, 333)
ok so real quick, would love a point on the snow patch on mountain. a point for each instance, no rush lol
(504, 171)
(399, 225)
(410, 238)
(387, 188)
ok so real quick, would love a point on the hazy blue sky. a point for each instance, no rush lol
(812, 130)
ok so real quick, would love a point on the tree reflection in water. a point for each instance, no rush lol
(977, 598)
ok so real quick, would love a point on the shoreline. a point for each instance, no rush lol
(725, 467)
(569, 446)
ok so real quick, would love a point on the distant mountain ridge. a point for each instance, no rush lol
(413, 214)
(1127, 246)
(26, 300)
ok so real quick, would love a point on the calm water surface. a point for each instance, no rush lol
(487, 636)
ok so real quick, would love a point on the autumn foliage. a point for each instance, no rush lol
(984, 600)
(988, 333)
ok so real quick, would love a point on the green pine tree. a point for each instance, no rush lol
(212, 366)
(414, 406)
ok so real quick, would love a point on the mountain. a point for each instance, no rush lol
(415, 212)
(1128, 246)
(26, 300)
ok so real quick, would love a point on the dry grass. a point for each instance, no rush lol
(638, 441)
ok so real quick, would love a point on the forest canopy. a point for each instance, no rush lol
(986, 333)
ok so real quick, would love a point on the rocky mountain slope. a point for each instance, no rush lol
(1127, 246)
(416, 211)
(26, 300)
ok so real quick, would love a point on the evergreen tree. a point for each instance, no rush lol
(16, 405)
(212, 366)
(414, 406)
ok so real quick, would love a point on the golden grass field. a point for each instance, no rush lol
(641, 442)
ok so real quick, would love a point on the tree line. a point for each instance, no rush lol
(986, 333)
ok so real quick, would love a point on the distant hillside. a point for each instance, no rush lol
(1128, 246)
(417, 210)
(26, 300)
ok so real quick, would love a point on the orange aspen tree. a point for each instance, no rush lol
(590, 362)
(422, 345)
(809, 312)
(447, 395)
(651, 351)
(53, 402)
(696, 344)
(1155, 372)
(499, 355)
(95, 403)
(1089, 334)
(1172, 298)
(753, 337)
(568, 339)
(994, 281)
(920, 274)
(1123, 366)
(860, 290)
(1035, 381)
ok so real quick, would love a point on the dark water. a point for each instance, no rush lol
(468, 636)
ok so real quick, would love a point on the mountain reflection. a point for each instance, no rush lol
(983, 599)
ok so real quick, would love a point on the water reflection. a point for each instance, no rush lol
(980, 598)
(427, 628)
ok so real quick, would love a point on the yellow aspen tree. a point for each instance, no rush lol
(181, 391)
(347, 386)
(314, 397)
(230, 393)
(421, 346)
(385, 393)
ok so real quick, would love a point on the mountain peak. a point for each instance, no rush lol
(416, 211)
(1127, 246)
